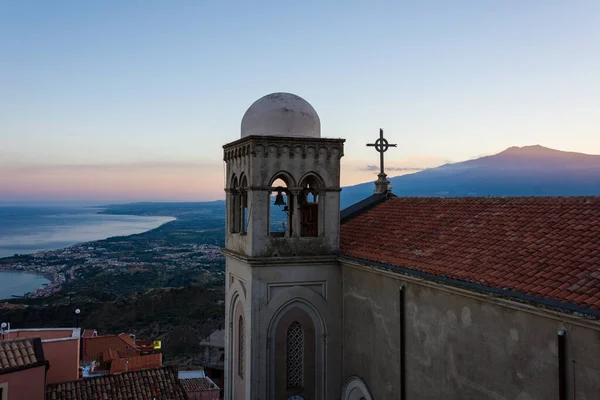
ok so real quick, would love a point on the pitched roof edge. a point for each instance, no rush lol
(556, 305)
(23, 367)
(364, 205)
(36, 343)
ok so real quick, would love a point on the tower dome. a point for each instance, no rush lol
(281, 114)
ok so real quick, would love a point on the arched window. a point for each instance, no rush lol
(295, 356)
(241, 343)
(280, 207)
(243, 204)
(309, 206)
(234, 205)
(239, 205)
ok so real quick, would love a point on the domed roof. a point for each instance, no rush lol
(281, 114)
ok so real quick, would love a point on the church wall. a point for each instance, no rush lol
(315, 289)
(460, 344)
(237, 300)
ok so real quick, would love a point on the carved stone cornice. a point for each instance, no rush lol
(293, 190)
(281, 146)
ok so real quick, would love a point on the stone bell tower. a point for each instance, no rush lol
(283, 300)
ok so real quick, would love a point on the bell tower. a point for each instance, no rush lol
(282, 237)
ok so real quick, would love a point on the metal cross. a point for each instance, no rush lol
(381, 145)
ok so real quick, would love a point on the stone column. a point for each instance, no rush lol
(295, 210)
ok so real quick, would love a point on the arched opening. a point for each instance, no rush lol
(295, 355)
(234, 204)
(243, 204)
(238, 207)
(280, 207)
(309, 205)
(355, 389)
(241, 343)
(237, 363)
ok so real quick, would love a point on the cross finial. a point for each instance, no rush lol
(381, 145)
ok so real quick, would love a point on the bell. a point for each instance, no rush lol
(279, 200)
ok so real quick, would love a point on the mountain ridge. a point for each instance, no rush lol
(532, 170)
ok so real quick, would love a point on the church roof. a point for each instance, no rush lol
(542, 249)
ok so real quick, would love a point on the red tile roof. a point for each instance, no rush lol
(136, 363)
(160, 384)
(191, 385)
(109, 355)
(20, 354)
(546, 247)
(94, 348)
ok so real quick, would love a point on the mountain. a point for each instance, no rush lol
(517, 171)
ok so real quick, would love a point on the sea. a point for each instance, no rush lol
(26, 230)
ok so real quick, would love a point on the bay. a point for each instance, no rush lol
(26, 230)
(18, 283)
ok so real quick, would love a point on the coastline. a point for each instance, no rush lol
(57, 280)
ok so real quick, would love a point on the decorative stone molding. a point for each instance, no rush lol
(355, 389)
(263, 146)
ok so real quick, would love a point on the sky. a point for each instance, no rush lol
(133, 100)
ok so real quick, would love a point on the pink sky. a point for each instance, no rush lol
(183, 181)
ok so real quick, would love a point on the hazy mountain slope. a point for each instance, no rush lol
(517, 171)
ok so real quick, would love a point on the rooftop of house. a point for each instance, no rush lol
(20, 354)
(192, 385)
(94, 347)
(540, 249)
(160, 383)
(46, 334)
(136, 363)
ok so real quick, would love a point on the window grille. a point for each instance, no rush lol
(295, 355)
(241, 347)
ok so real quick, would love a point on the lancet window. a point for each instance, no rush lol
(241, 343)
(295, 356)
(309, 206)
(280, 208)
(238, 212)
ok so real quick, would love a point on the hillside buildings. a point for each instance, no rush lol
(61, 349)
(410, 298)
(37, 364)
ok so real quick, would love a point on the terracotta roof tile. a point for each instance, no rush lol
(191, 385)
(136, 363)
(20, 354)
(545, 247)
(160, 383)
(96, 348)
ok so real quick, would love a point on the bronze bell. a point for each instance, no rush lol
(279, 200)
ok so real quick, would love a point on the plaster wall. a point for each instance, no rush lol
(269, 291)
(460, 344)
(25, 384)
(43, 334)
(315, 289)
(63, 356)
(237, 301)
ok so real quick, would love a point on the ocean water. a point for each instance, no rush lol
(26, 230)
(19, 283)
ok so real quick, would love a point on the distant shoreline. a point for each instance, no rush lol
(102, 212)
(54, 279)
